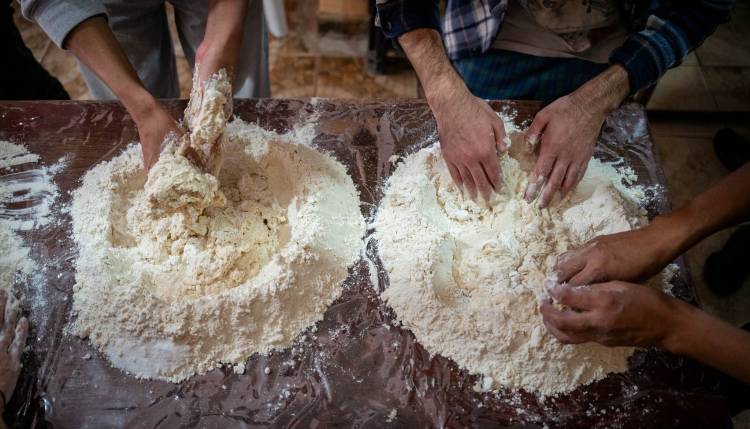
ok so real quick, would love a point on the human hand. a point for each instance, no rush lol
(13, 333)
(566, 132)
(154, 124)
(613, 314)
(631, 255)
(471, 137)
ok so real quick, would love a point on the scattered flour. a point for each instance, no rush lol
(467, 279)
(27, 194)
(169, 290)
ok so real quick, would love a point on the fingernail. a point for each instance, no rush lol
(549, 284)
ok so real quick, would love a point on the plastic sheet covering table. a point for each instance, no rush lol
(353, 369)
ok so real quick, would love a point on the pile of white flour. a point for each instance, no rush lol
(169, 291)
(468, 279)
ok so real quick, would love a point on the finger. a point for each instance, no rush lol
(586, 276)
(481, 180)
(553, 182)
(456, 176)
(11, 314)
(537, 178)
(570, 180)
(469, 184)
(578, 297)
(547, 308)
(567, 321)
(535, 130)
(491, 168)
(569, 264)
(19, 341)
(501, 139)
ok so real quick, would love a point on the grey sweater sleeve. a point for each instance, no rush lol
(58, 17)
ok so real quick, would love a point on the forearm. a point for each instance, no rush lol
(725, 204)
(711, 341)
(93, 43)
(440, 81)
(605, 92)
(221, 44)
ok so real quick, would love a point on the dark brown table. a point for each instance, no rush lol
(354, 371)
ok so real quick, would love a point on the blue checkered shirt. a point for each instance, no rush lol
(661, 33)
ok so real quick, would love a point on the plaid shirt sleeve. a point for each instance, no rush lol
(668, 35)
(397, 17)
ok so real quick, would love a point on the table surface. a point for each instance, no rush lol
(353, 369)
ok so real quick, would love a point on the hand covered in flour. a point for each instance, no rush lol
(564, 134)
(471, 137)
(632, 255)
(612, 314)
(13, 332)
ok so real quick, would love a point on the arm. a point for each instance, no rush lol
(93, 43)
(624, 314)
(666, 35)
(641, 253)
(221, 44)
(569, 127)
(471, 134)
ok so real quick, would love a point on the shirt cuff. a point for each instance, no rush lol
(401, 16)
(58, 18)
(636, 56)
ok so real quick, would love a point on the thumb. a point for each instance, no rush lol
(501, 139)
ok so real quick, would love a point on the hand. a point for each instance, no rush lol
(632, 255)
(612, 314)
(566, 131)
(154, 124)
(471, 137)
(13, 333)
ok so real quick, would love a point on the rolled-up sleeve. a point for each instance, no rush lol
(58, 18)
(668, 35)
(397, 17)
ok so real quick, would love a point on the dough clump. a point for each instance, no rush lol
(198, 270)
(467, 278)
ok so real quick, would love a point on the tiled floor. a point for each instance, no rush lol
(716, 77)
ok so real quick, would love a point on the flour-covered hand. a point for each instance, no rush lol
(565, 132)
(612, 314)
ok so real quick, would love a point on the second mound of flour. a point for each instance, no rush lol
(236, 265)
(467, 279)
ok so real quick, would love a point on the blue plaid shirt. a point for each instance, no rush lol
(661, 34)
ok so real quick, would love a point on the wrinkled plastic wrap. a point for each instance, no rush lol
(354, 369)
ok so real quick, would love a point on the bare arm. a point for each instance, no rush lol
(93, 43)
(221, 44)
(471, 134)
(641, 253)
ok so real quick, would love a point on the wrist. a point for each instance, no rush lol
(445, 90)
(606, 91)
(679, 320)
(141, 105)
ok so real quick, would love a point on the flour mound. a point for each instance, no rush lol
(467, 279)
(237, 265)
